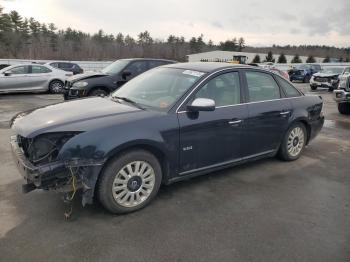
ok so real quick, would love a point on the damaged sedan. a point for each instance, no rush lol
(156, 130)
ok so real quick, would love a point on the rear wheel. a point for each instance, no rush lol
(344, 108)
(98, 92)
(56, 86)
(129, 182)
(293, 142)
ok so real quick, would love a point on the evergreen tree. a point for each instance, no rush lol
(16, 21)
(296, 59)
(241, 44)
(310, 59)
(269, 57)
(256, 59)
(282, 59)
(326, 60)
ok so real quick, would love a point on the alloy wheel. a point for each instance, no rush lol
(133, 184)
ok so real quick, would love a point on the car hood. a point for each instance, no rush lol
(76, 115)
(86, 75)
(319, 74)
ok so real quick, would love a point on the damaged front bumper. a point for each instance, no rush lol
(57, 175)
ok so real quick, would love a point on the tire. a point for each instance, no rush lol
(98, 92)
(306, 79)
(344, 108)
(313, 88)
(56, 86)
(331, 89)
(293, 142)
(120, 193)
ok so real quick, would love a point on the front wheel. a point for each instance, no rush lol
(98, 92)
(293, 142)
(313, 88)
(344, 108)
(129, 182)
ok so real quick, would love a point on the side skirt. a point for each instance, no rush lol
(208, 169)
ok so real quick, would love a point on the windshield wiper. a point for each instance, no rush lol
(128, 100)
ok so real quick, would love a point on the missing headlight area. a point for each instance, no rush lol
(39, 162)
(44, 148)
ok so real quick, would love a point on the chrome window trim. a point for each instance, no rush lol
(230, 69)
(255, 102)
(196, 87)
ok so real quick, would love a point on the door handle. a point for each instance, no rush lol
(284, 113)
(235, 122)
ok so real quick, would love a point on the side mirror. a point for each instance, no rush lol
(202, 104)
(7, 74)
(125, 74)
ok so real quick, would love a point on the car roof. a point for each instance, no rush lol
(209, 67)
(148, 59)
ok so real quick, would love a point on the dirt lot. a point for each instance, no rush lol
(263, 211)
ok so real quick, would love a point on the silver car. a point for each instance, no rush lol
(32, 78)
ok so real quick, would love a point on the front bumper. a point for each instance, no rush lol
(341, 96)
(37, 176)
(71, 93)
(56, 175)
(326, 84)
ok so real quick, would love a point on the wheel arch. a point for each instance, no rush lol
(105, 88)
(303, 121)
(148, 146)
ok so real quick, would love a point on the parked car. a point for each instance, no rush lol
(67, 66)
(110, 78)
(168, 124)
(280, 72)
(2, 66)
(303, 72)
(328, 77)
(342, 94)
(32, 78)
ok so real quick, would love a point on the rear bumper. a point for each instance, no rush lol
(341, 96)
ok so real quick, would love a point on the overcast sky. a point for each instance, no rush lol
(260, 22)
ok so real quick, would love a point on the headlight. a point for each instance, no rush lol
(80, 84)
(45, 148)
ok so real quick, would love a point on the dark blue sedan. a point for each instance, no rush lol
(168, 124)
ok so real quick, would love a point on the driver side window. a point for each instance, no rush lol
(137, 67)
(18, 70)
(223, 89)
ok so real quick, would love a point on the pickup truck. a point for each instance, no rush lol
(342, 94)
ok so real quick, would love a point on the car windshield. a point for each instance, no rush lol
(332, 70)
(159, 88)
(115, 67)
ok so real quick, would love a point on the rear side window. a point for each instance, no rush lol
(261, 86)
(289, 89)
(40, 70)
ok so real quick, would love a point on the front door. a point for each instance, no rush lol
(213, 138)
(16, 79)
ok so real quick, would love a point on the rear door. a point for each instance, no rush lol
(268, 114)
(208, 139)
(39, 77)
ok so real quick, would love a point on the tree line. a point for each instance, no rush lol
(27, 38)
